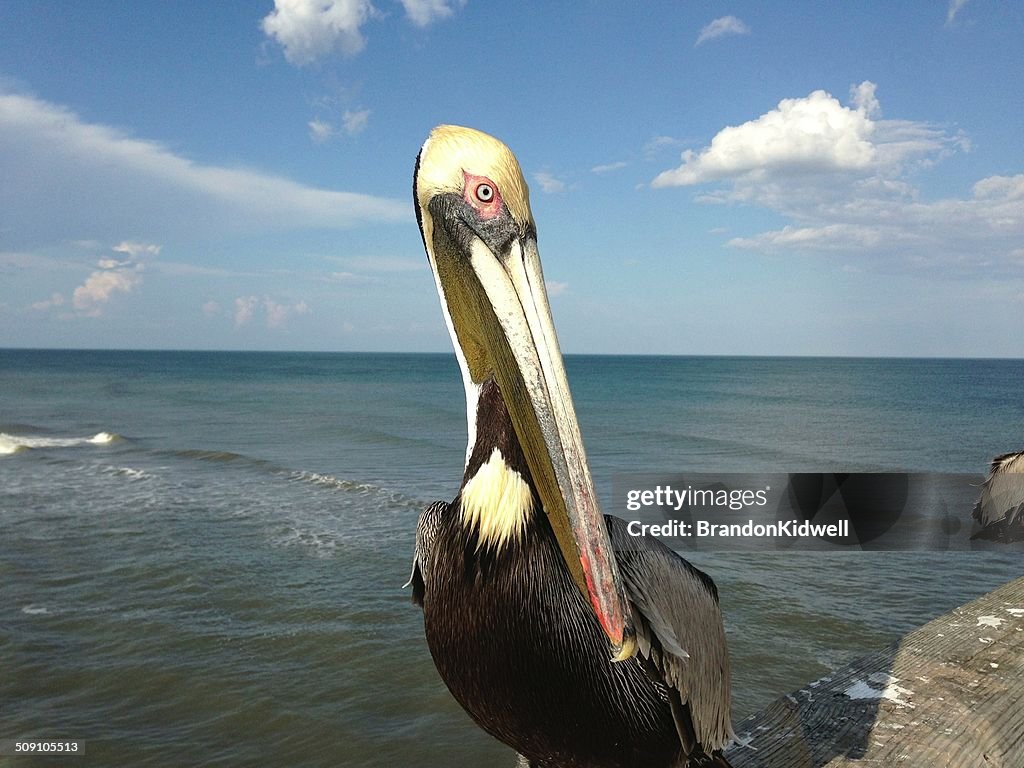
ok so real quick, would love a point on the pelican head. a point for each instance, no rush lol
(473, 208)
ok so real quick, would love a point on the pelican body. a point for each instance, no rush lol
(561, 635)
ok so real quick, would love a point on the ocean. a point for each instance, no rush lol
(202, 553)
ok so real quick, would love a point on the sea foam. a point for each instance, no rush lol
(16, 443)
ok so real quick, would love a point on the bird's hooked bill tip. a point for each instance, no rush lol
(627, 650)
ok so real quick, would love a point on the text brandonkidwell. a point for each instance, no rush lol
(706, 530)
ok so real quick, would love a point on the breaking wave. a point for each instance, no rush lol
(353, 486)
(325, 481)
(10, 444)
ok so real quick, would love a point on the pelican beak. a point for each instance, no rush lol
(489, 276)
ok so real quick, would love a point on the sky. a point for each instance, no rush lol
(731, 178)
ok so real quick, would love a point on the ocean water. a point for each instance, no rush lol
(201, 554)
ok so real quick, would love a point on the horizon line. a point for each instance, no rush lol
(451, 353)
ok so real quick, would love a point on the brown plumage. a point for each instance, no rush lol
(1000, 506)
(526, 590)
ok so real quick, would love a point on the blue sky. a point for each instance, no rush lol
(707, 178)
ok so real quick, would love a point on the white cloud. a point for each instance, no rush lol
(211, 308)
(112, 276)
(608, 167)
(369, 270)
(245, 306)
(349, 278)
(320, 130)
(65, 176)
(830, 236)
(355, 122)
(722, 27)
(955, 6)
(275, 313)
(134, 250)
(309, 29)
(977, 234)
(549, 183)
(843, 177)
(806, 140)
(98, 288)
(55, 300)
(556, 288)
(278, 314)
(660, 144)
(424, 12)
(864, 100)
(811, 134)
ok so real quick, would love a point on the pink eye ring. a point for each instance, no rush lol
(483, 194)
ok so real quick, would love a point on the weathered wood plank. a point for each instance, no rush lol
(948, 694)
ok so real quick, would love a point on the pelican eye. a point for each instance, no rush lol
(484, 192)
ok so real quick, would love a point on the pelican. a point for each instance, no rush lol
(1000, 507)
(559, 633)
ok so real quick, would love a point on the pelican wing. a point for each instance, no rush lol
(426, 531)
(1002, 496)
(679, 630)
